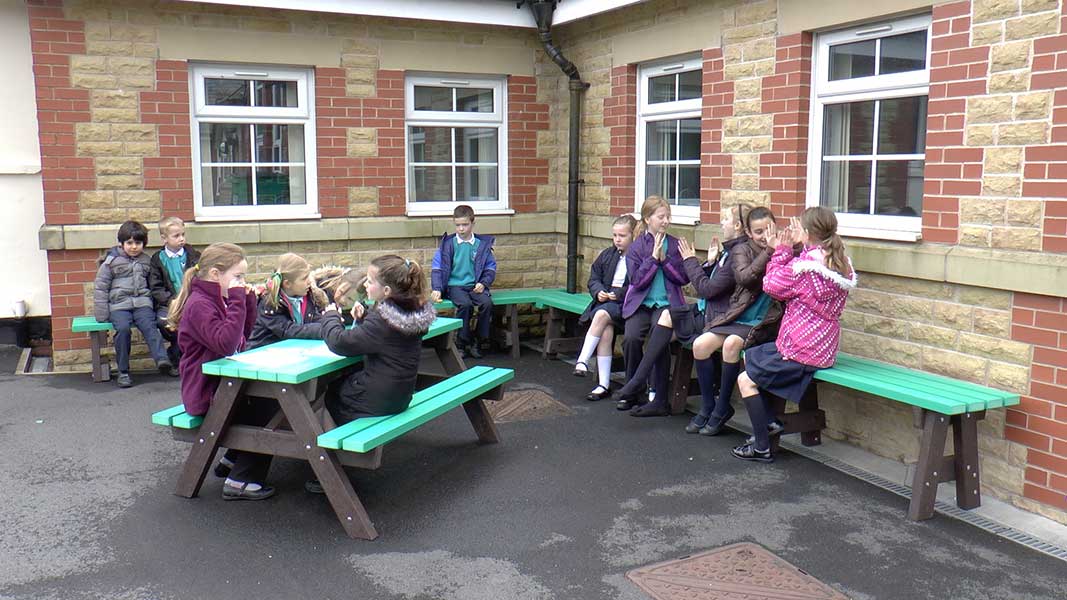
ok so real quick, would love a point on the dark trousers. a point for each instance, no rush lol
(633, 344)
(466, 301)
(249, 467)
(145, 320)
(169, 335)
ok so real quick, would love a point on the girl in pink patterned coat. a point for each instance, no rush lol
(809, 273)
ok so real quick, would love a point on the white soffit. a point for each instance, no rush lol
(483, 12)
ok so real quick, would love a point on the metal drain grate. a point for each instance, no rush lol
(945, 508)
(527, 403)
(736, 571)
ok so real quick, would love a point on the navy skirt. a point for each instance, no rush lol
(613, 308)
(784, 378)
(688, 323)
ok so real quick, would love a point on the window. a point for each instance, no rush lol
(456, 144)
(254, 143)
(868, 127)
(668, 135)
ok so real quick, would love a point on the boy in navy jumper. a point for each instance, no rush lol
(165, 278)
(463, 270)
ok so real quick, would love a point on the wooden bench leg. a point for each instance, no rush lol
(101, 368)
(445, 348)
(809, 405)
(683, 373)
(553, 329)
(208, 437)
(927, 475)
(480, 418)
(295, 402)
(965, 460)
(511, 313)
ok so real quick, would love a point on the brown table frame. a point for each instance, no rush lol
(294, 432)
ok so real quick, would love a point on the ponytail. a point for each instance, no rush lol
(221, 256)
(290, 267)
(177, 305)
(406, 279)
(821, 224)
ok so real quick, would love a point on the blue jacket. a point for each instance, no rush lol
(484, 263)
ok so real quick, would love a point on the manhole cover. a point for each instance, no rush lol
(738, 571)
(526, 404)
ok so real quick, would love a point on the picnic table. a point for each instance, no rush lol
(298, 384)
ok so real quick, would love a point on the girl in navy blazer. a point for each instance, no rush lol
(608, 281)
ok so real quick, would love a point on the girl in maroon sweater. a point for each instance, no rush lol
(214, 314)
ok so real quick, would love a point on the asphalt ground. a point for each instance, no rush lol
(562, 508)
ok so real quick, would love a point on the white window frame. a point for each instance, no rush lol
(425, 118)
(877, 87)
(665, 111)
(303, 114)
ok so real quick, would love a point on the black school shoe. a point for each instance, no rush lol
(627, 403)
(166, 368)
(715, 424)
(748, 452)
(230, 492)
(595, 395)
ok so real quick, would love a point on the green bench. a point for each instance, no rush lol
(558, 301)
(97, 340)
(937, 402)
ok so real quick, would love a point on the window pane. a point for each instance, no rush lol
(474, 100)
(431, 144)
(902, 126)
(689, 144)
(846, 186)
(659, 181)
(476, 144)
(661, 89)
(280, 143)
(848, 129)
(433, 98)
(431, 184)
(899, 188)
(848, 61)
(476, 184)
(905, 52)
(689, 84)
(224, 142)
(226, 92)
(660, 140)
(689, 185)
(275, 93)
(280, 185)
(227, 186)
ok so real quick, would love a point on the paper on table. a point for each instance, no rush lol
(274, 358)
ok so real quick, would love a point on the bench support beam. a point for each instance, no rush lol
(207, 442)
(101, 367)
(933, 467)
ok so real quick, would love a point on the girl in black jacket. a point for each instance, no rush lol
(608, 281)
(290, 306)
(388, 336)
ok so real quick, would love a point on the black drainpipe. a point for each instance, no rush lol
(542, 12)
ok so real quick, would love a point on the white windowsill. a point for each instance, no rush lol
(274, 217)
(448, 213)
(894, 235)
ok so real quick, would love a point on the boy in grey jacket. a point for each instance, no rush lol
(121, 295)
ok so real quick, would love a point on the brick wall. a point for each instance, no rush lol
(1040, 421)
(620, 118)
(526, 117)
(716, 167)
(787, 96)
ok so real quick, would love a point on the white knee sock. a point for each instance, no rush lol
(588, 348)
(603, 367)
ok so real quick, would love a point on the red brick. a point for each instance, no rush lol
(1036, 301)
(1027, 438)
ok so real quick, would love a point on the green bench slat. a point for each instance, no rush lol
(574, 303)
(176, 416)
(89, 323)
(974, 396)
(397, 425)
(332, 439)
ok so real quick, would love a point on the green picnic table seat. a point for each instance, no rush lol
(97, 340)
(364, 435)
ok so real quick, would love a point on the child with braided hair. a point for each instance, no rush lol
(290, 306)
